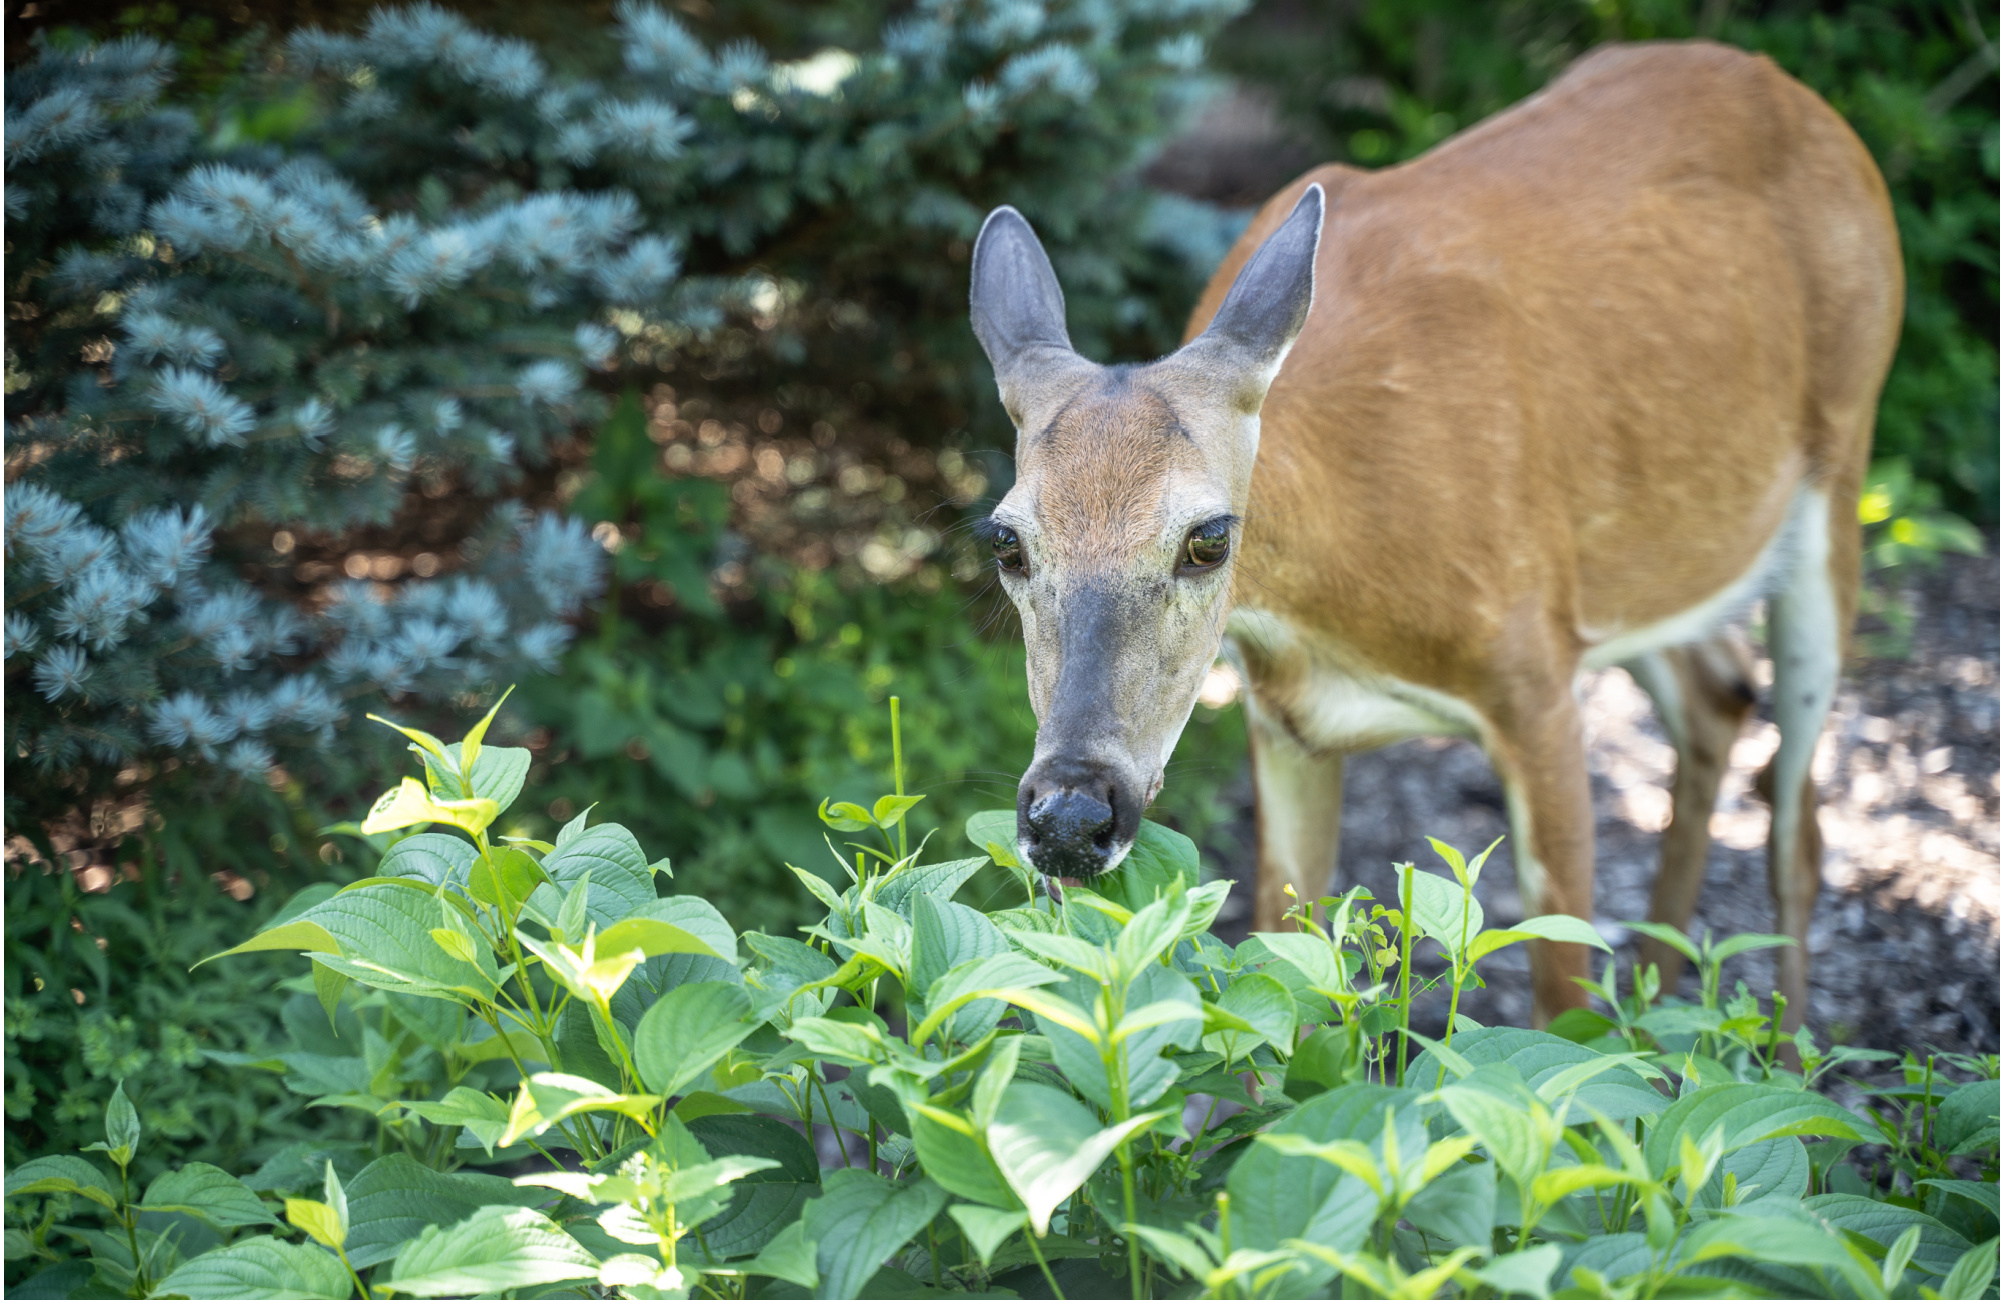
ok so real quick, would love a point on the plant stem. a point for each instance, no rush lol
(1036, 1251)
(896, 748)
(363, 1286)
(1409, 928)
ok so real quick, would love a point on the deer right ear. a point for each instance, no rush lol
(1017, 308)
(1267, 306)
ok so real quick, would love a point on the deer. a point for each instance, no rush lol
(1576, 388)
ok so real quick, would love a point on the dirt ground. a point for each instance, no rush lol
(1905, 939)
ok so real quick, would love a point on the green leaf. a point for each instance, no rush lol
(1968, 1120)
(986, 1228)
(1310, 954)
(950, 1151)
(1776, 1241)
(1667, 935)
(1979, 1196)
(1737, 944)
(410, 804)
(1882, 1223)
(892, 808)
(1778, 1168)
(1457, 1206)
(697, 916)
(1152, 930)
(1501, 1126)
(1523, 1272)
(1148, 1072)
(317, 1220)
(55, 1175)
(1620, 1093)
(210, 1194)
(995, 830)
(767, 1200)
(1047, 1144)
(1265, 1006)
(498, 1248)
(393, 1199)
(938, 879)
(789, 1257)
(121, 1126)
(293, 936)
(432, 858)
(260, 1268)
(506, 880)
(846, 817)
(469, 751)
(1442, 910)
(549, 1098)
(944, 936)
(1001, 975)
(621, 877)
(498, 773)
(687, 1031)
(1747, 1112)
(478, 1113)
(1973, 1273)
(1276, 1197)
(653, 937)
(1557, 926)
(1159, 857)
(860, 1221)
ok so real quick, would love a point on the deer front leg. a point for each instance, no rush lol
(1537, 747)
(1298, 817)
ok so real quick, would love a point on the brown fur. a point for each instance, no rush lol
(1560, 378)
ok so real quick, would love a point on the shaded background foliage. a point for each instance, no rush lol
(775, 465)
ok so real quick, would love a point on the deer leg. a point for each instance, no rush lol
(1298, 817)
(1805, 642)
(1703, 694)
(1537, 746)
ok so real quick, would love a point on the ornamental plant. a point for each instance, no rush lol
(580, 1086)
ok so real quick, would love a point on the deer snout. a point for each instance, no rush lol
(1075, 821)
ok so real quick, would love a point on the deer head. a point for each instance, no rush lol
(1116, 543)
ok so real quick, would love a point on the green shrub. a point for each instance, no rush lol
(1022, 1097)
(99, 987)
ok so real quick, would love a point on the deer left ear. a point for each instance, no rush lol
(1267, 306)
(1017, 314)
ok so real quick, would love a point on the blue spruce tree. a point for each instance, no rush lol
(231, 327)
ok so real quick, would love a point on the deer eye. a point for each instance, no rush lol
(1207, 545)
(1007, 550)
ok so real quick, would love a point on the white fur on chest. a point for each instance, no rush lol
(1338, 708)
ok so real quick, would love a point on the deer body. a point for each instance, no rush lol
(1575, 389)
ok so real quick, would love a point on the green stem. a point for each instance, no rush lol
(1125, 1177)
(139, 1279)
(363, 1286)
(1036, 1251)
(1409, 927)
(896, 747)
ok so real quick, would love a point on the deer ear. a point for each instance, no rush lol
(1266, 307)
(1017, 309)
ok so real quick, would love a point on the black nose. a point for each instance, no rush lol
(1069, 831)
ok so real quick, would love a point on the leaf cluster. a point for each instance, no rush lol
(1089, 1083)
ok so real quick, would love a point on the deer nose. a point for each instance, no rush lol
(1069, 829)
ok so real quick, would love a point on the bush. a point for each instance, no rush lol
(1379, 82)
(1093, 1094)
